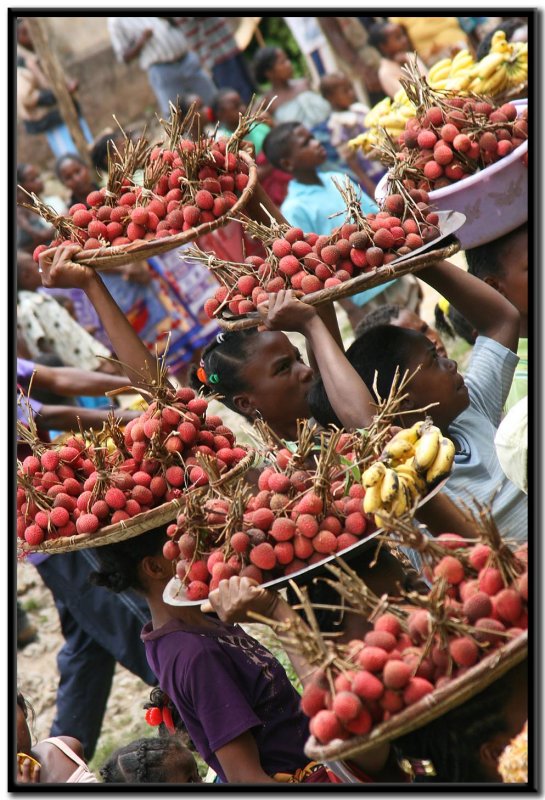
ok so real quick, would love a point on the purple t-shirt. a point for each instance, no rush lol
(25, 369)
(224, 683)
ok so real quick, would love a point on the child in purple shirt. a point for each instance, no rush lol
(234, 697)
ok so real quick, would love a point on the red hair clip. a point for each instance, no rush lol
(201, 375)
(154, 716)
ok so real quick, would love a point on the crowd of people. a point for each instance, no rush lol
(80, 334)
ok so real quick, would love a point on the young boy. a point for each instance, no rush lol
(468, 411)
(313, 204)
(403, 318)
(346, 121)
(503, 264)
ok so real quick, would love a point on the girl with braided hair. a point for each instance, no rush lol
(152, 760)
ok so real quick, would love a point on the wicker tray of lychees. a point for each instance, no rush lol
(83, 493)
(365, 251)
(189, 189)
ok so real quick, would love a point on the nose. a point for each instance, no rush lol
(306, 374)
(452, 365)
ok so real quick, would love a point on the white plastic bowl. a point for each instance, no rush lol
(494, 200)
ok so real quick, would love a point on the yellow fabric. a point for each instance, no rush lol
(431, 35)
(299, 775)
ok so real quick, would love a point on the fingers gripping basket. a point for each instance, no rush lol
(140, 523)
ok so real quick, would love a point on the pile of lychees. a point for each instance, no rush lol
(458, 137)
(197, 183)
(474, 608)
(288, 525)
(310, 263)
(80, 488)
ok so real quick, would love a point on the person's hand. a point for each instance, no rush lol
(29, 772)
(235, 597)
(60, 272)
(146, 36)
(282, 311)
(137, 272)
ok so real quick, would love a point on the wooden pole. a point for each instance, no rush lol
(41, 39)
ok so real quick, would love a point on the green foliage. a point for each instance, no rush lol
(277, 34)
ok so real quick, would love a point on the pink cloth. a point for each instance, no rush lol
(80, 775)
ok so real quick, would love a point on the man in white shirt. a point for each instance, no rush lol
(162, 50)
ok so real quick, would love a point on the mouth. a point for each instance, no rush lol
(460, 383)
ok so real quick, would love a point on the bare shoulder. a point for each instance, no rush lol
(73, 744)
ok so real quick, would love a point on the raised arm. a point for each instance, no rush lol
(72, 382)
(59, 271)
(349, 396)
(490, 313)
(65, 418)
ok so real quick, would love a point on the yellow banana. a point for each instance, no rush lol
(499, 43)
(373, 474)
(458, 83)
(372, 500)
(461, 61)
(488, 65)
(409, 435)
(410, 488)
(439, 70)
(402, 501)
(398, 450)
(442, 464)
(389, 487)
(496, 84)
(426, 449)
(414, 482)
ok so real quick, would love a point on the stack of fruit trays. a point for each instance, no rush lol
(189, 189)
(361, 253)
(423, 653)
(86, 489)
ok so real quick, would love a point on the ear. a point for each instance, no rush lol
(286, 164)
(155, 568)
(489, 753)
(244, 405)
(494, 283)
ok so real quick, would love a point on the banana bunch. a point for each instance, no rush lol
(390, 114)
(503, 68)
(452, 75)
(412, 462)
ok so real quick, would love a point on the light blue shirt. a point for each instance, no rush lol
(310, 206)
(477, 472)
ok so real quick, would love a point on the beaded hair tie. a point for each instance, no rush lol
(202, 376)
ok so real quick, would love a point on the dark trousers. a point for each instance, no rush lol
(100, 628)
(233, 73)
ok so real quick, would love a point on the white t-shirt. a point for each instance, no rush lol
(168, 43)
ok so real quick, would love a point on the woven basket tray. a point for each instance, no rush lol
(430, 707)
(127, 253)
(140, 523)
(353, 286)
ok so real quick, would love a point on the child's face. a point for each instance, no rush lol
(437, 381)
(408, 319)
(33, 181)
(282, 69)
(343, 95)
(231, 106)
(513, 283)
(307, 153)
(396, 41)
(75, 176)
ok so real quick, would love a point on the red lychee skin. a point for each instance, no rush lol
(197, 590)
(330, 255)
(490, 581)
(388, 623)
(310, 504)
(416, 689)
(307, 525)
(263, 518)
(419, 622)
(347, 706)
(282, 529)
(72, 487)
(464, 651)
(50, 460)
(346, 540)
(83, 501)
(451, 569)
(477, 606)
(391, 701)
(42, 519)
(311, 283)
(198, 406)
(263, 556)
(281, 248)
(451, 541)
(356, 524)
(325, 726)
(396, 674)
(175, 476)
(361, 724)
(367, 685)
(240, 542)
(313, 700)
(101, 509)
(59, 516)
(508, 604)
(522, 586)
(65, 500)
(383, 639)
(294, 235)
(158, 486)
(467, 589)
(284, 553)
(372, 658)
(426, 139)
(34, 535)
(278, 482)
(325, 542)
(488, 631)
(478, 556)
(302, 547)
(115, 498)
(87, 523)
